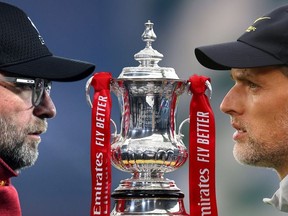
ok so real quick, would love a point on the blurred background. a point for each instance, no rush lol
(108, 33)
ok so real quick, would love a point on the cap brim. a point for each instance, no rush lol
(234, 55)
(53, 68)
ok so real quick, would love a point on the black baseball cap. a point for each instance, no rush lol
(265, 43)
(23, 51)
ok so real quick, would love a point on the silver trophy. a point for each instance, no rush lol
(148, 145)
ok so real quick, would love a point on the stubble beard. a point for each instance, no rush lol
(15, 149)
(263, 153)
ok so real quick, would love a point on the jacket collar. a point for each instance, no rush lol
(6, 172)
(280, 199)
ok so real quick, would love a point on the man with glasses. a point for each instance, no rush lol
(27, 68)
(258, 102)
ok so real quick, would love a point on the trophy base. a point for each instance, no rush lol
(148, 202)
(148, 194)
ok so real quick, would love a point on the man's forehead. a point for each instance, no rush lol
(243, 73)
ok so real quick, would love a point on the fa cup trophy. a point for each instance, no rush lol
(147, 145)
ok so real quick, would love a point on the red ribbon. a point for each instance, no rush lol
(100, 145)
(202, 192)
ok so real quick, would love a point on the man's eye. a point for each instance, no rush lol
(252, 85)
(23, 86)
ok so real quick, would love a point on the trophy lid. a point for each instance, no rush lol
(148, 59)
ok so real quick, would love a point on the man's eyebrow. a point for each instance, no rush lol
(241, 74)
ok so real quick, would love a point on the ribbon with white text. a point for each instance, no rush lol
(100, 145)
(202, 191)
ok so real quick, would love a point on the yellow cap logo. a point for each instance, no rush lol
(253, 28)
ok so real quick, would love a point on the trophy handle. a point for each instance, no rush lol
(180, 135)
(115, 127)
(87, 89)
(209, 88)
(88, 99)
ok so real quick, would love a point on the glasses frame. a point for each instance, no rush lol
(39, 85)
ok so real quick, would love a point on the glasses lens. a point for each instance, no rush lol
(38, 91)
(48, 86)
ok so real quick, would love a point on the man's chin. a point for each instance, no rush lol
(248, 158)
(27, 155)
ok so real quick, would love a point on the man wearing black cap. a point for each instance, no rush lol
(27, 68)
(258, 102)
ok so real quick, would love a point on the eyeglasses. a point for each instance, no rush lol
(38, 86)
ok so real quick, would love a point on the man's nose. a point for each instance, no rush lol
(46, 109)
(233, 102)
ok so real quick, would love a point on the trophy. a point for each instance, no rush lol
(148, 145)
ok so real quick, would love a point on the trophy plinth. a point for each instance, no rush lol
(147, 145)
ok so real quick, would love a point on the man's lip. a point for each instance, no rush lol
(238, 127)
(238, 134)
(34, 136)
(36, 133)
(240, 131)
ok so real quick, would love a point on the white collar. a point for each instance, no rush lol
(280, 199)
